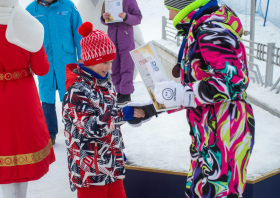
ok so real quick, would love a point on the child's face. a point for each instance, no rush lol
(172, 14)
(101, 68)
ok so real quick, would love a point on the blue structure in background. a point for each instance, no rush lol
(266, 13)
(267, 9)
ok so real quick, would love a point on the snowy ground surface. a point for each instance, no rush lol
(164, 141)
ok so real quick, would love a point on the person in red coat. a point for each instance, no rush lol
(26, 149)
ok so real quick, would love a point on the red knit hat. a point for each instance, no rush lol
(96, 46)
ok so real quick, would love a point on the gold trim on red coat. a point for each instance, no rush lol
(25, 159)
(14, 75)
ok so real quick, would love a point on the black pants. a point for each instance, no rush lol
(51, 118)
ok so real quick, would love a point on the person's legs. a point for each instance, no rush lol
(202, 149)
(14, 190)
(51, 118)
(112, 190)
(93, 192)
(116, 189)
(195, 174)
(242, 132)
(208, 173)
(126, 71)
(116, 76)
(220, 150)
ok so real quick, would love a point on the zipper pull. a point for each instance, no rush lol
(95, 158)
(126, 32)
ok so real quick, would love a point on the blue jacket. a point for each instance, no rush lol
(61, 21)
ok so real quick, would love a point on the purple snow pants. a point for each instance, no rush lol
(122, 36)
(123, 65)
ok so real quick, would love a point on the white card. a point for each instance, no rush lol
(114, 7)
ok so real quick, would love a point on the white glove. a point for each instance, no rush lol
(173, 94)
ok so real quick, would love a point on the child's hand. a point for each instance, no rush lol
(122, 15)
(144, 109)
(106, 15)
(139, 113)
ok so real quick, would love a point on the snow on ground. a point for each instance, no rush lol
(164, 141)
(265, 96)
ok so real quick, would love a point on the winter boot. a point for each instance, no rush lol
(118, 95)
(123, 99)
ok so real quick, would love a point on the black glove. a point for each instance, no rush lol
(149, 110)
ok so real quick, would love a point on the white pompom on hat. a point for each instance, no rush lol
(96, 46)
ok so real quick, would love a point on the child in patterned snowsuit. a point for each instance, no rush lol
(92, 120)
(214, 76)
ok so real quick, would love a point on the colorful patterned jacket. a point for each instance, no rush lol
(215, 63)
(222, 125)
(92, 130)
